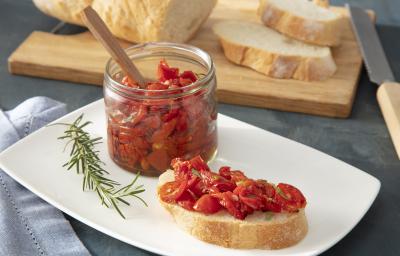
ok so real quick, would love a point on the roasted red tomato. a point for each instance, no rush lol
(250, 196)
(198, 188)
(188, 75)
(187, 200)
(158, 159)
(216, 183)
(199, 164)
(207, 204)
(172, 191)
(165, 72)
(235, 176)
(289, 197)
(169, 127)
(232, 204)
(271, 205)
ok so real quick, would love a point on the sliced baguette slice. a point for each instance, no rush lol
(257, 231)
(269, 52)
(303, 20)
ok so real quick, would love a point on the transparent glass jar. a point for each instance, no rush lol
(148, 128)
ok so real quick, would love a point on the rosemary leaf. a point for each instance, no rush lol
(85, 158)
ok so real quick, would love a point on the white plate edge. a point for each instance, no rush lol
(376, 185)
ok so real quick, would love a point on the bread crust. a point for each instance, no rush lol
(280, 66)
(224, 230)
(239, 234)
(65, 10)
(323, 33)
(137, 20)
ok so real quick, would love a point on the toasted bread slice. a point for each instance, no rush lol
(258, 231)
(303, 20)
(271, 53)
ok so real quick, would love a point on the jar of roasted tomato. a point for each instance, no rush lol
(173, 115)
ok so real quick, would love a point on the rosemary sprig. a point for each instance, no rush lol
(85, 158)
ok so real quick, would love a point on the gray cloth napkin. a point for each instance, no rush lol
(29, 225)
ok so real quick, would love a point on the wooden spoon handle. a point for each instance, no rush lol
(100, 31)
(389, 100)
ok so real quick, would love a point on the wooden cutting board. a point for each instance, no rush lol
(80, 58)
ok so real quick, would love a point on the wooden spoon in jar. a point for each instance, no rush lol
(100, 31)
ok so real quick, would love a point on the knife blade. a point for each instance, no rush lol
(371, 48)
(379, 71)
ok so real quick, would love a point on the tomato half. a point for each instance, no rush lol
(165, 72)
(172, 191)
(199, 164)
(249, 197)
(289, 197)
(231, 203)
(187, 200)
(207, 204)
(158, 159)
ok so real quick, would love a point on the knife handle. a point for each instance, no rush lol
(389, 100)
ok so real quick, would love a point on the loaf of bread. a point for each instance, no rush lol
(137, 20)
(257, 231)
(273, 54)
(303, 20)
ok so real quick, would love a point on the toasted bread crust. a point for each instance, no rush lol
(280, 66)
(224, 230)
(324, 33)
(238, 234)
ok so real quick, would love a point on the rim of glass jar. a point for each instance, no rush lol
(201, 83)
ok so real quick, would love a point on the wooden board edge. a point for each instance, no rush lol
(54, 73)
(290, 105)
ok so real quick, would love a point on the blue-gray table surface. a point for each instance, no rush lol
(362, 140)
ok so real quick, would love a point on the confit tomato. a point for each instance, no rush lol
(216, 183)
(159, 159)
(172, 191)
(156, 87)
(187, 78)
(187, 200)
(188, 75)
(198, 188)
(289, 197)
(207, 204)
(165, 72)
(182, 169)
(141, 113)
(198, 163)
(250, 195)
(146, 134)
(232, 204)
(235, 176)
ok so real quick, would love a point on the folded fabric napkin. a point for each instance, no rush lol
(29, 225)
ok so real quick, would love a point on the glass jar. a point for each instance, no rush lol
(146, 129)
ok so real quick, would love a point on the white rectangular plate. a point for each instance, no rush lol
(338, 194)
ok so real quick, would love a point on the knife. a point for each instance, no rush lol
(379, 71)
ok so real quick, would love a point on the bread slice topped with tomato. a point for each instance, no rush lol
(227, 208)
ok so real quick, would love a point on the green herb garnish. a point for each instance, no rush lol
(196, 173)
(269, 215)
(240, 182)
(280, 192)
(85, 158)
